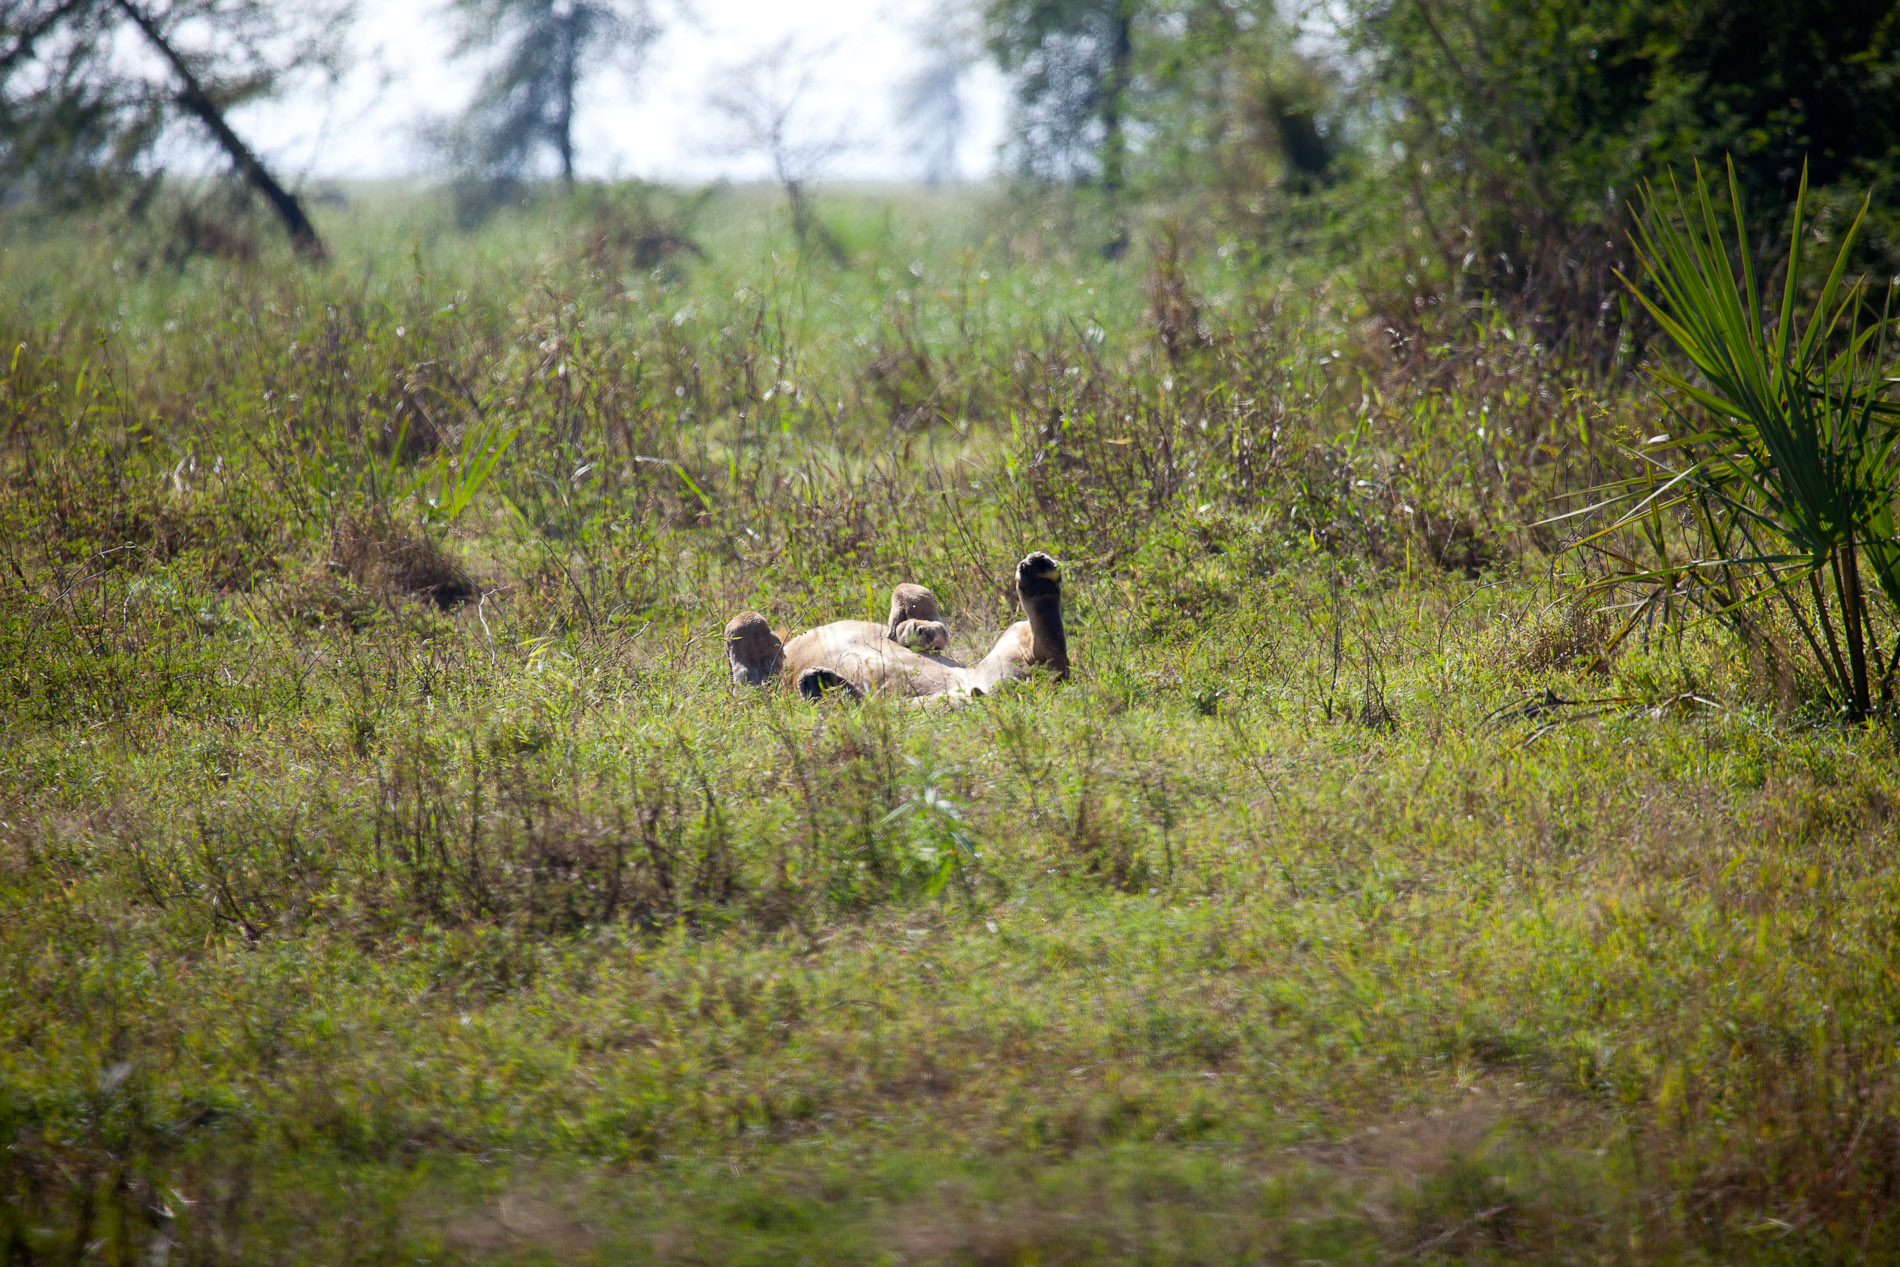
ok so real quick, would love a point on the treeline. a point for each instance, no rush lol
(1507, 139)
(1494, 145)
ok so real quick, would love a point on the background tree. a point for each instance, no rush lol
(1232, 106)
(930, 102)
(1186, 94)
(525, 103)
(1071, 64)
(766, 103)
(90, 88)
(63, 126)
(1524, 129)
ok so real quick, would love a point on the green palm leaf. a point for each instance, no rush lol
(1788, 484)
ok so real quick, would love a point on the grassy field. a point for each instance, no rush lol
(389, 871)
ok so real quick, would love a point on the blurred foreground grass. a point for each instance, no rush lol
(389, 871)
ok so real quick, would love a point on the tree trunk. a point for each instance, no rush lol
(1114, 88)
(1839, 679)
(193, 97)
(564, 118)
(1853, 618)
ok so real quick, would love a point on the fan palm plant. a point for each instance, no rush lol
(1787, 470)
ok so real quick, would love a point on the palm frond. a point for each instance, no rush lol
(1787, 485)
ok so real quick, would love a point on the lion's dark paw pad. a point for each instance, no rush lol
(815, 684)
(1038, 574)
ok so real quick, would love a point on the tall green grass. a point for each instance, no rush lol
(384, 880)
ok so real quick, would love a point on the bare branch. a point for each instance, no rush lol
(193, 97)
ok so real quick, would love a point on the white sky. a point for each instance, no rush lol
(659, 127)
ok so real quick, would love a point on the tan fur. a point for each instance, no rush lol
(912, 602)
(865, 655)
(916, 621)
(901, 656)
(925, 636)
(753, 650)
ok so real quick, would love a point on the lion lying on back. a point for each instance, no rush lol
(904, 656)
